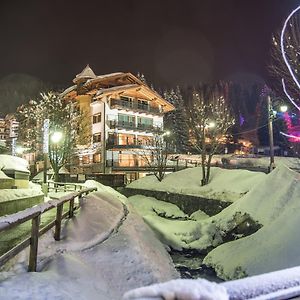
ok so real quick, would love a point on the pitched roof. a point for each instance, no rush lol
(87, 73)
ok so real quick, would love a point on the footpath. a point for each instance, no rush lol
(105, 251)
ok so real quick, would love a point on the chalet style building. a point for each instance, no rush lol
(124, 113)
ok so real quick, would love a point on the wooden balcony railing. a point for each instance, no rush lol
(135, 106)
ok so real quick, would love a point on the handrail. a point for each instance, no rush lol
(65, 185)
(34, 214)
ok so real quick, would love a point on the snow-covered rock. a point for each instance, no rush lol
(275, 204)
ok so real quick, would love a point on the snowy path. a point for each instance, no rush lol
(92, 262)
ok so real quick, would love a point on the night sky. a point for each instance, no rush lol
(171, 42)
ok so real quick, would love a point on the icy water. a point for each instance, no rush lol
(189, 265)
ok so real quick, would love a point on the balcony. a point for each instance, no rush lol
(132, 126)
(134, 106)
(130, 144)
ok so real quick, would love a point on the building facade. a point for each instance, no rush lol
(125, 114)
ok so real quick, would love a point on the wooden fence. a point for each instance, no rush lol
(62, 186)
(34, 214)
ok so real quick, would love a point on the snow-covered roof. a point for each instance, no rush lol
(68, 90)
(116, 88)
(9, 162)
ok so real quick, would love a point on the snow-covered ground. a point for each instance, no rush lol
(241, 160)
(104, 253)
(276, 204)
(13, 194)
(224, 185)
(273, 202)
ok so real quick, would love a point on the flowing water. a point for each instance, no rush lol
(189, 265)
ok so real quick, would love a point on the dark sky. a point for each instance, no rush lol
(171, 42)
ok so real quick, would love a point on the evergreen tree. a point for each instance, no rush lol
(141, 77)
(175, 121)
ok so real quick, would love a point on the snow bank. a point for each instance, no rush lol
(225, 185)
(199, 289)
(106, 189)
(172, 226)
(275, 204)
(9, 162)
(130, 258)
(277, 195)
(151, 206)
(14, 194)
(284, 284)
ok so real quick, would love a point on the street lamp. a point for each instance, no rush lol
(271, 115)
(56, 137)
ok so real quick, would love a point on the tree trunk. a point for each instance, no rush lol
(203, 180)
(208, 168)
(56, 175)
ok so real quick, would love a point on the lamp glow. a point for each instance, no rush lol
(211, 124)
(56, 137)
(283, 108)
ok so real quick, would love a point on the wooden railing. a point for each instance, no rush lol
(63, 186)
(34, 214)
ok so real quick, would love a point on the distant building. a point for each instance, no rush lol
(11, 132)
(124, 113)
(2, 130)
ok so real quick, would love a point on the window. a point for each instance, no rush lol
(144, 122)
(97, 158)
(126, 119)
(97, 137)
(126, 139)
(97, 118)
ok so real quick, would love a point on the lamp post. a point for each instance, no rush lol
(271, 116)
(45, 148)
(55, 138)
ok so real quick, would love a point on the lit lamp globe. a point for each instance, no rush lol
(56, 137)
(211, 124)
(283, 108)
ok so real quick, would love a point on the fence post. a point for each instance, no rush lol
(71, 208)
(59, 211)
(35, 223)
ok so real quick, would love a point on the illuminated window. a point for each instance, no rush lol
(97, 137)
(97, 118)
(96, 158)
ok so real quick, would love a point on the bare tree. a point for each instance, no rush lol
(64, 118)
(155, 154)
(208, 118)
(285, 66)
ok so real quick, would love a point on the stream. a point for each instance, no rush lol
(189, 265)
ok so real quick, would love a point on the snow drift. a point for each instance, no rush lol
(224, 185)
(275, 203)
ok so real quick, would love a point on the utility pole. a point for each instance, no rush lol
(271, 138)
